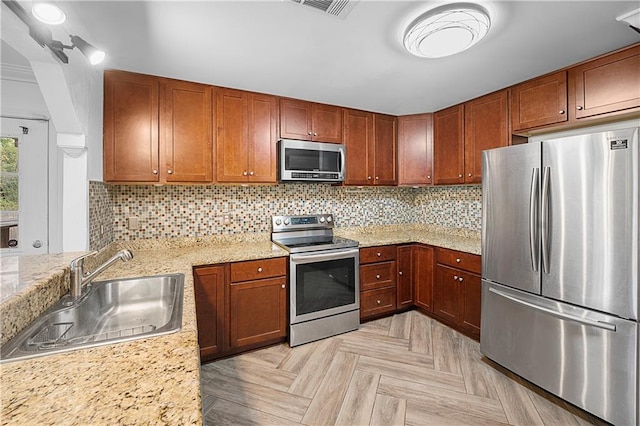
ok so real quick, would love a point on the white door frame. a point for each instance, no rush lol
(33, 189)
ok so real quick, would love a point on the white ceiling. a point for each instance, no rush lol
(282, 48)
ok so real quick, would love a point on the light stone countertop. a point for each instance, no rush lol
(147, 381)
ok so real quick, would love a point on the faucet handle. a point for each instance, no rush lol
(78, 261)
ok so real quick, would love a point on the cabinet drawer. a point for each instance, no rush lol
(258, 269)
(377, 254)
(379, 301)
(457, 259)
(377, 275)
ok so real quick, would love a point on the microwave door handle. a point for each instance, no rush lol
(342, 162)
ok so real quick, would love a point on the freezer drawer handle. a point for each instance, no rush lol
(561, 315)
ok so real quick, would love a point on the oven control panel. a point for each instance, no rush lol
(291, 223)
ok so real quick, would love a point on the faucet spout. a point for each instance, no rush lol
(78, 278)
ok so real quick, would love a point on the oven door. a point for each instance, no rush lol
(324, 283)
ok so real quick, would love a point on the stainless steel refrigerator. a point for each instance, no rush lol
(560, 267)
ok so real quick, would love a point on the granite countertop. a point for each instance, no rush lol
(149, 381)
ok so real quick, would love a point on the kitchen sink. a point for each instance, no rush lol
(110, 312)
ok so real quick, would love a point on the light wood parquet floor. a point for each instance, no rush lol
(403, 370)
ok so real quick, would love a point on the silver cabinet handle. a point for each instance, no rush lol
(377, 277)
(400, 272)
(470, 174)
(259, 269)
(561, 112)
(533, 219)
(458, 260)
(170, 172)
(310, 133)
(459, 176)
(579, 107)
(244, 173)
(428, 177)
(154, 171)
(251, 173)
(283, 286)
(455, 278)
(37, 244)
(460, 279)
(561, 315)
(378, 254)
(315, 134)
(377, 178)
(368, 177)
(379, 302)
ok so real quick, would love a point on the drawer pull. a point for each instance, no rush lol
(400, 273)
(283, 285)
(378, 254)
(377, 277)
(455, 277)
(458, 260)
(259, 269)
(460, 279)
(379, 302)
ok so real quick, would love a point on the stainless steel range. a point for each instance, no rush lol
(323, 277)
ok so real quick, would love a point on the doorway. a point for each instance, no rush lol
(24, 224)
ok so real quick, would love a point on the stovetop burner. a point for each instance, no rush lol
(298, 234)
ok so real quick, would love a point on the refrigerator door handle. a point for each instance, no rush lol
(561, 315)
(545, 206)
(533, 219)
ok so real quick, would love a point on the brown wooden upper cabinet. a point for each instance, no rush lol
(462, 132)
(448, 146)
(246, 136)
(539, 102)
(486, 126)
(310, 121)
(415, 149)
(156, 129)
(609, 84)
(370, 141)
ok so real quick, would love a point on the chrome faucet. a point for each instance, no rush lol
(78, 278)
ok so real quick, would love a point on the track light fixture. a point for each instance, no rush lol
(42, 35)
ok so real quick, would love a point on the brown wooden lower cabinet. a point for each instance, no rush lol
(257, 311)
(209, 292)
(423, 276)
(378, 301)
(404, 284)
(236, 316)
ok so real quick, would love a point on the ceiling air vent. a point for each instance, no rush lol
(339, 8)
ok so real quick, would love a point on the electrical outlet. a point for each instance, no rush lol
(132, 223)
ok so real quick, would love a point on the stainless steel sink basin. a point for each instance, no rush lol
(111, 312)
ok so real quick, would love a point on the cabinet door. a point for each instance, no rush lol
(608, 84)
(326, 123)
(385, 134)
(358, 140)
(378, 301)
(257, 311)
(471, 302)
(422, 264)
(446, 294)
(186, 130)
(539, 102)
(404, 284)
(295, 119)
(415, 149)
(131, 145)
(485, 126)
(448, 146)
(209, 295)
(262, 116)
(232, 145)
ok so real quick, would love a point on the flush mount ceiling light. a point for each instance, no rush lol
(48, 13)
(447, 30)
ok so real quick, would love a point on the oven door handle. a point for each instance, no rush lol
(324, 256)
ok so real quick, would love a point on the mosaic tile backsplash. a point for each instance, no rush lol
(196, 211)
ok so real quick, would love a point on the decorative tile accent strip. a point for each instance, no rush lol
(201, 211)
(100, 216)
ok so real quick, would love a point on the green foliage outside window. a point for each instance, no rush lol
(9, 174)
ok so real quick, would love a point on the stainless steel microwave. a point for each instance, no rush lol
(310, 161)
